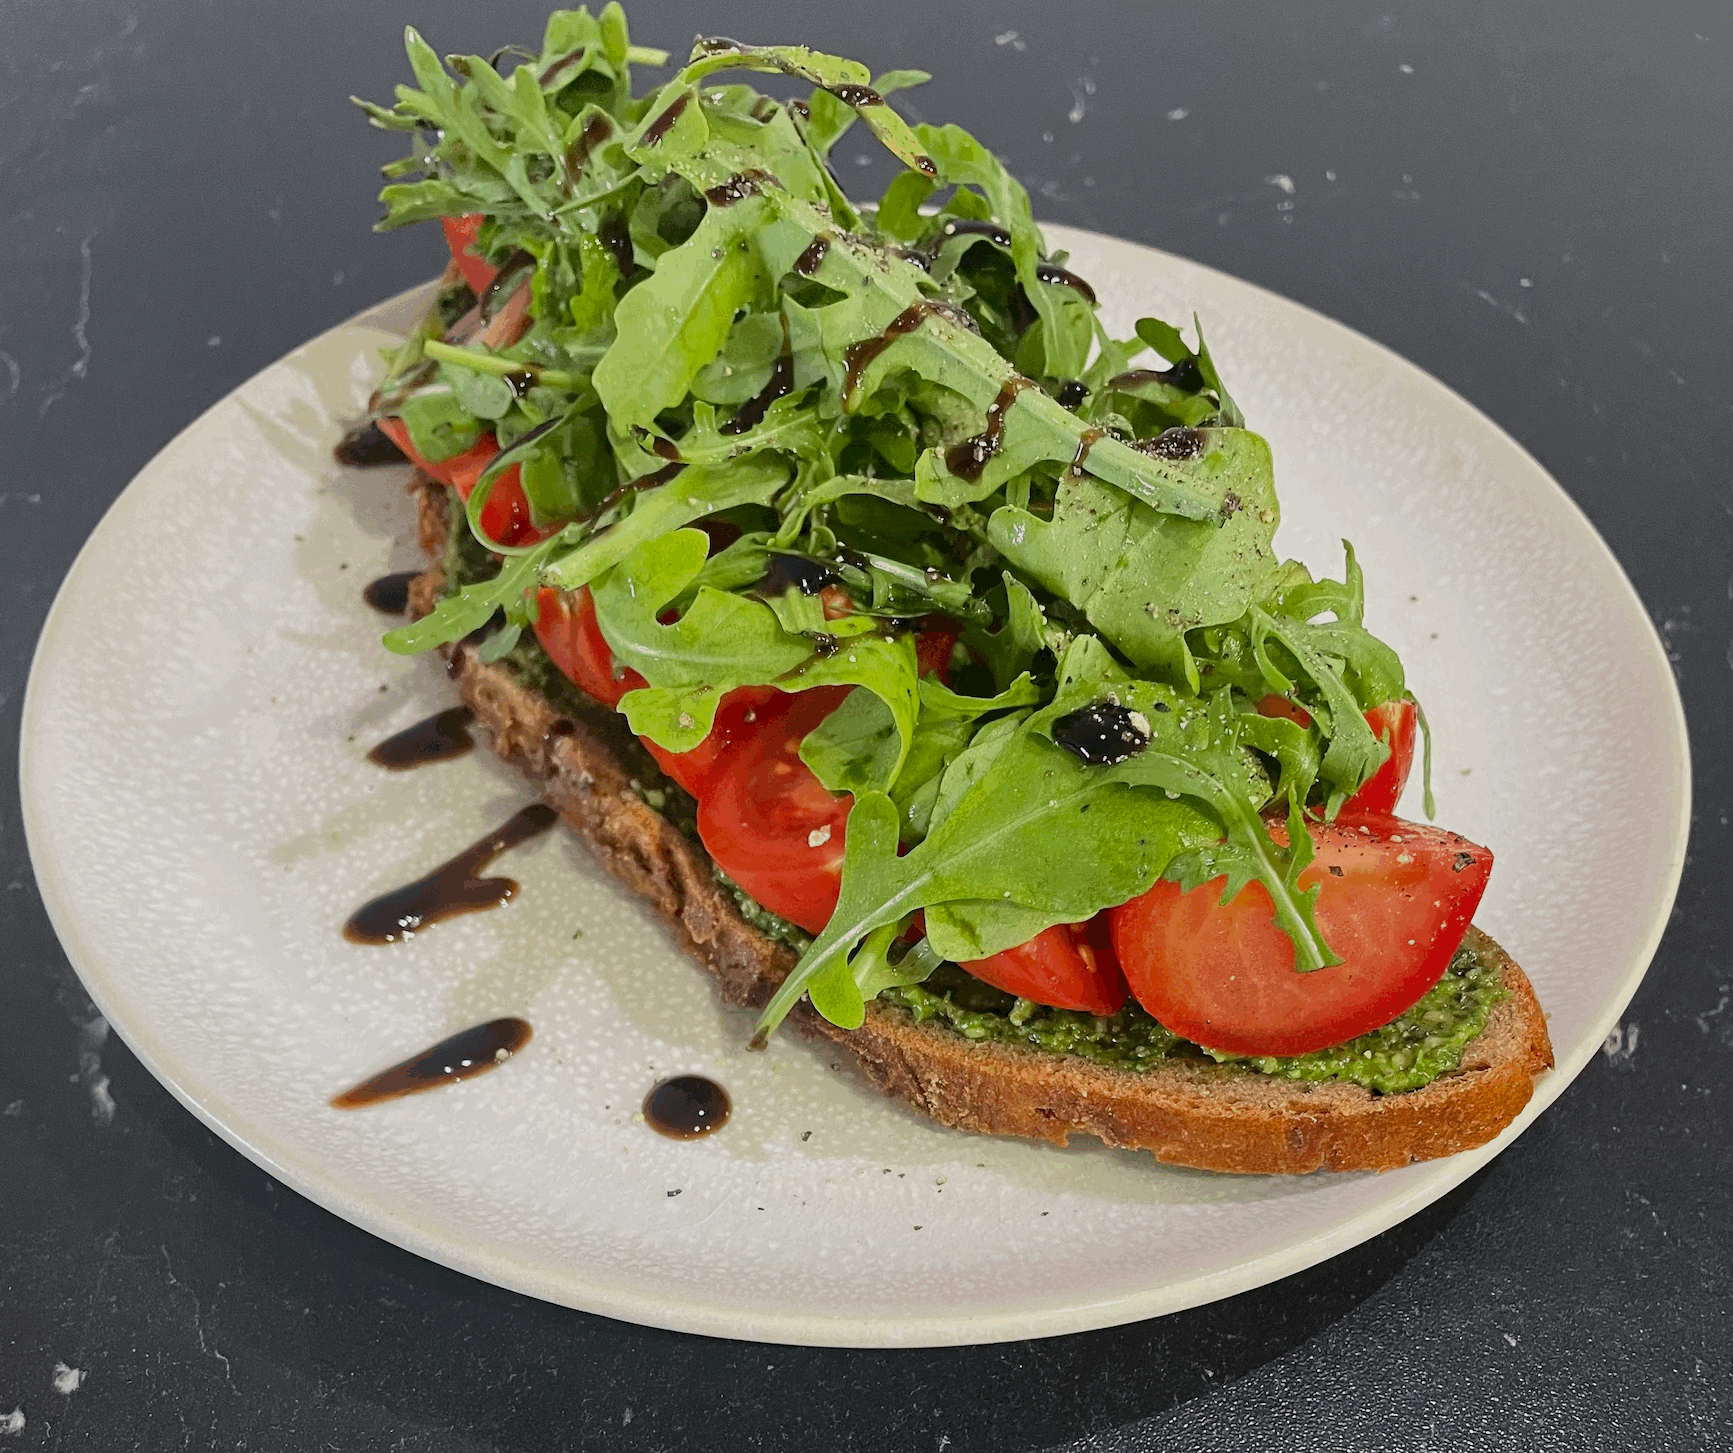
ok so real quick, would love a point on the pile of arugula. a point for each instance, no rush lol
(920, 399)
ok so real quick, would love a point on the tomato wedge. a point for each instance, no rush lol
(1393, 723)
(1068, 966)
(567, 629)
(933, 652)
(737, 718)
(1395, 902)
(506, 515)
(460, 235)
(769, 823)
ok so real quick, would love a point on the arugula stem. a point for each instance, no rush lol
(480, 362)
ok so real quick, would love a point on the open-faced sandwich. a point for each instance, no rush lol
(918, 649)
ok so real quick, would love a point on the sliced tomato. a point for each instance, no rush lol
(1068, 966)
(1394, 724)
(505, 517)
(933, 651)
(737, 718)
(769, 823)
(1395, 901)
(567, 629)
(460, 235)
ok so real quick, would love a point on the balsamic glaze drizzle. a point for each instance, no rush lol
(1177, 444)
(1102, 734)
(451, 888)
(664, 123)
(389, 594)
(686, 1107)
(965, 227)
(365, 446)
(738, 187)
(1048, 272)
(809, 261)
(857, 357)
(597, 131)
(464, 1055)
(796, 572)
(968, 459)
(1185, 375)
(751, 414)
(437, 738)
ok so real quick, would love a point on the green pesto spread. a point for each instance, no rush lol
(1411, 1051)
(779, 930)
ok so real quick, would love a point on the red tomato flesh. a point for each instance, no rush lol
(505, 517)
(738, 716)
(1068, 966)
(1394, 723)
(769, 823)
(1395, 902)
(460, 235)
(567, 629)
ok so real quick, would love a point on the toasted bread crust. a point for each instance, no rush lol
(1206, 1116)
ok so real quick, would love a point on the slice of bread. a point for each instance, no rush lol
(1214, 1117)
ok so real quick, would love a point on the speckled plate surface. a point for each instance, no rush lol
(202, 819)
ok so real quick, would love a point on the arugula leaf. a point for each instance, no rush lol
(849, 81)
(692, 494)
(473, 606)
(719, 642)
(1142, 578)
(676, 321)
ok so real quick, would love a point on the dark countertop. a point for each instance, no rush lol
(1530, 202)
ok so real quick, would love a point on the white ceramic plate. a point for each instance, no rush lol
(202, 820)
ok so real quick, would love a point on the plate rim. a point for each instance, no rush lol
(685, 1313)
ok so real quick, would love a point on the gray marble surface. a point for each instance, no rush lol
(1530, 201)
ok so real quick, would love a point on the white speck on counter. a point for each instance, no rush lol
(1621, 1044)
(1510, 1337)
(1406, 70)
(67, 1379)
(214, 341)
(1282, 180)
(1515, 314)
(81, 364)
(1082, 87)
(1012, 39)
(14, 373)
(1179, 113)
(12, 1424)
(92, 1035)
